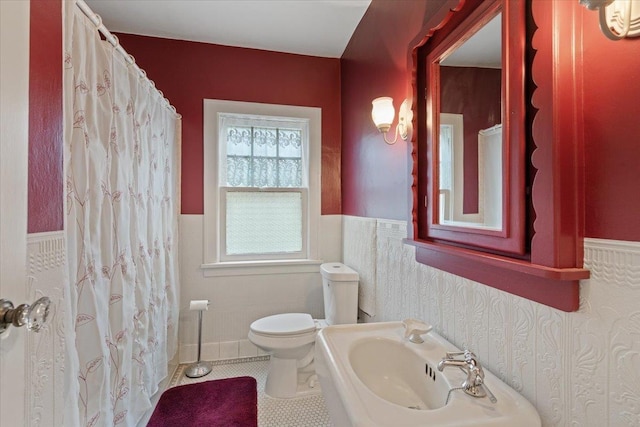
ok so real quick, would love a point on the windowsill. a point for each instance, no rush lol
(250, 268)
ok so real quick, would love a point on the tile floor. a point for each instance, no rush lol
(308, 411)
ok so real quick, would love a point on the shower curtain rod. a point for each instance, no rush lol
(113, 40)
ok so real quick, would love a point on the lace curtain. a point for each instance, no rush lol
(122, 203)
(262, 152)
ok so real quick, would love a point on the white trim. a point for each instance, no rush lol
(615, 262)
(252, 268)
(457, 180)
(211, 155)
(220, 350)
(15, 398)
(46, 250)
(590, 242)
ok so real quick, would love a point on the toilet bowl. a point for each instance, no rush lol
(289, 338)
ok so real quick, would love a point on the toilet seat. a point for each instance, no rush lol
(283, 325)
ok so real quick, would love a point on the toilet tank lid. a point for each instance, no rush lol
(338, 272)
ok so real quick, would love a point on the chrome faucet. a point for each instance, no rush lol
(474, 384)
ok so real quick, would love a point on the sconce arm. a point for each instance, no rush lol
(395, 138)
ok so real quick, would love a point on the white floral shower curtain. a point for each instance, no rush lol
(122, 204)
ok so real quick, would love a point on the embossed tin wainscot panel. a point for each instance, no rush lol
(46, 254)
(577, 368)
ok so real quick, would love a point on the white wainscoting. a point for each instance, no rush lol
(239, 299)
(45, 354)
(579, 368)
(46, 350)
(358, 255)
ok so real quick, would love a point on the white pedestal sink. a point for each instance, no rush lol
(371, 375)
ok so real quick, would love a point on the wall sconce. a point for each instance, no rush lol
(618, 18)
(383, 113)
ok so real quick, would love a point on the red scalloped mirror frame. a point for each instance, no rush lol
(551, 270)
(511, 239)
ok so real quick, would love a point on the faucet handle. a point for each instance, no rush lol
(467, 355)
(454, 354)
(414, 328)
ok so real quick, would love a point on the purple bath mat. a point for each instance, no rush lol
(230, 402)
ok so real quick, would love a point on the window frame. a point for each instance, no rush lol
(215, 262)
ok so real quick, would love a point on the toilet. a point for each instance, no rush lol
(290, 337)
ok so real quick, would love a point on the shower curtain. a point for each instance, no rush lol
(122, 180)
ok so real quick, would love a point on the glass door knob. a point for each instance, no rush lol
(33, 316)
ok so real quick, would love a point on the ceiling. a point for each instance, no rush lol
(308, 27)
(483, 49)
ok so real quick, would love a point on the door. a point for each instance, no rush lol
(14, 107)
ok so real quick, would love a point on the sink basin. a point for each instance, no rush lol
(395, 374)
(372, 376)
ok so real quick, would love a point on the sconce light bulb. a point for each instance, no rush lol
(382, 113)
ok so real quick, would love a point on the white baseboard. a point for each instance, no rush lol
(223, 350)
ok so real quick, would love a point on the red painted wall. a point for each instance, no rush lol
(611, 134)
(45, 193)
(376, 176)
(188, 72)
(476, 94)
(376, 62)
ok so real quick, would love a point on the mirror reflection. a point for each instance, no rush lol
(470, 139)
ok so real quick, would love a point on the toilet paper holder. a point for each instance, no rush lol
(199, 368)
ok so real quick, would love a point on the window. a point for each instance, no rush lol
(263, 187)
(262, 195)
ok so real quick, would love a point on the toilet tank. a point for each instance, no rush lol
(340, 290)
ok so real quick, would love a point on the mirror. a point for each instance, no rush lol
(537, 251)
(470, 144)
(470, 148)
